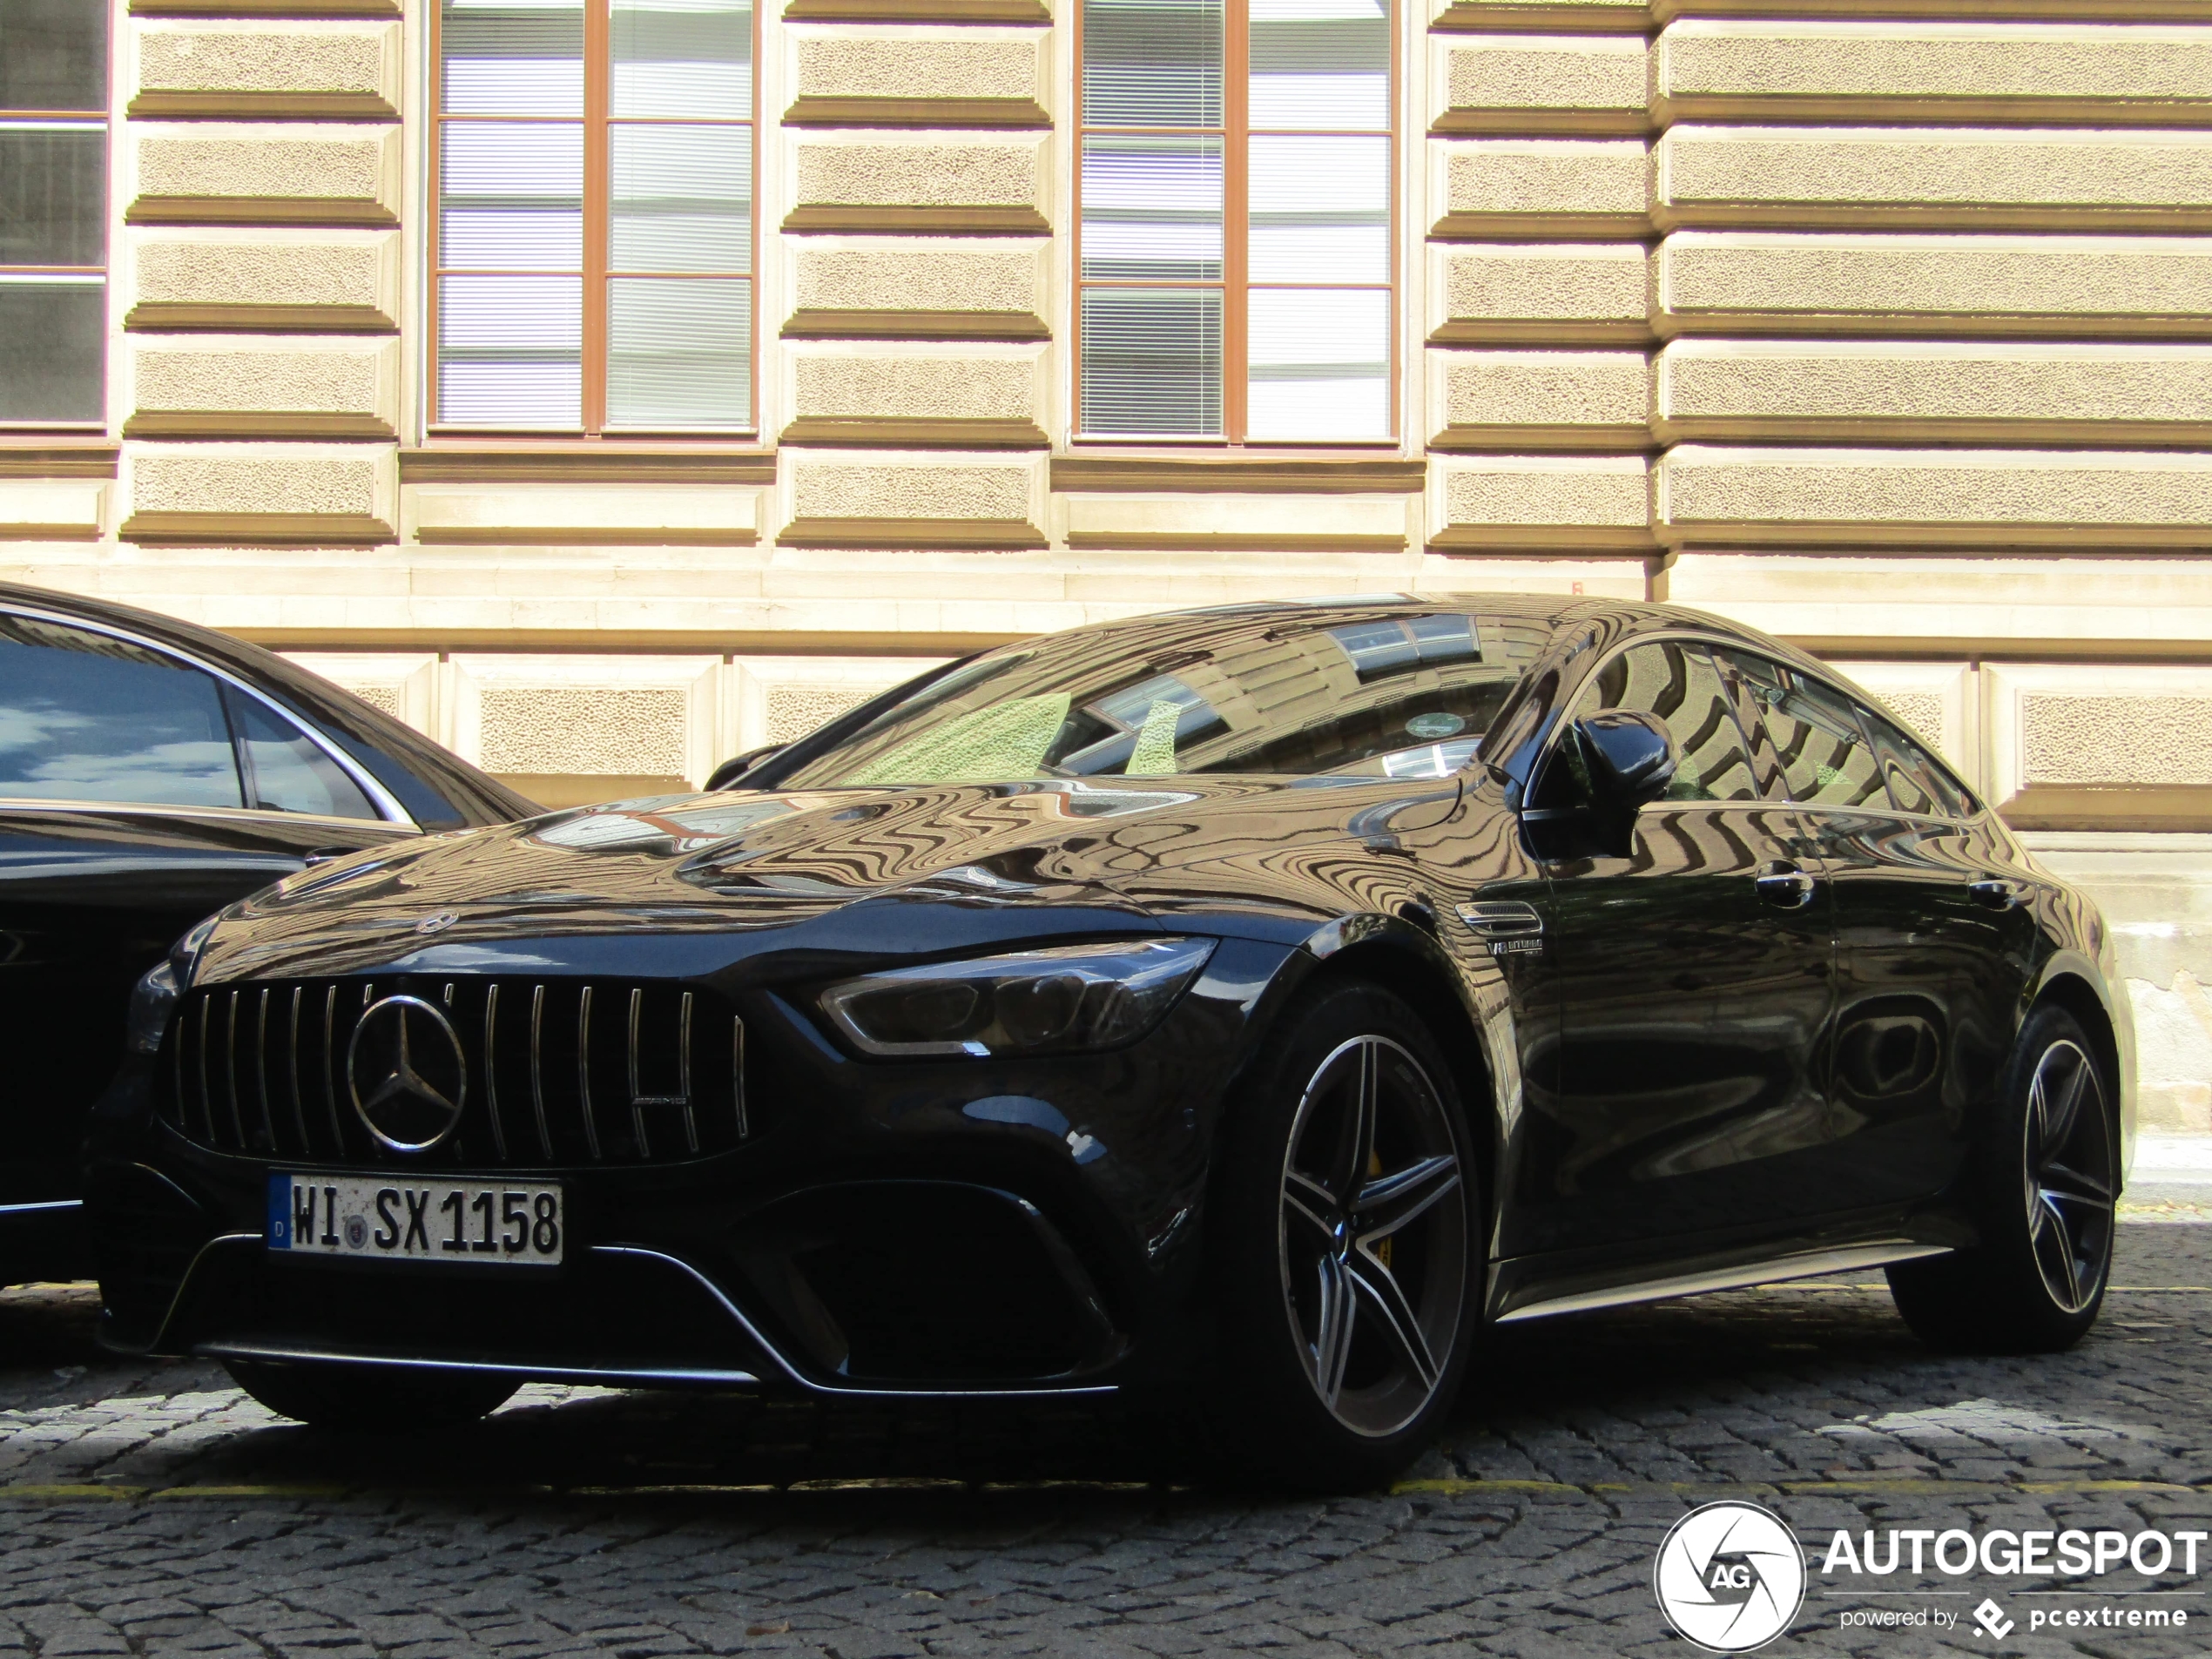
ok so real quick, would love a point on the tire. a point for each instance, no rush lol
(1344, 1247)
(370, 1400)
(2040, 1187)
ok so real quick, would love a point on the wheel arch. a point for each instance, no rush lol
(1406, 961)
(2065, 985)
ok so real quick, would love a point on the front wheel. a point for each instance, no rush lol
(370, 1400)
(2041, 1187)
(1345, 1247)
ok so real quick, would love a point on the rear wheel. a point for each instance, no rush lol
(1345, 1248)
(2041, 1186)
(370, 1400)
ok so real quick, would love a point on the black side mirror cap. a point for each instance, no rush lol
(1631, 757)
(729, 771)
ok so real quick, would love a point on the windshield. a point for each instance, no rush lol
(1390, 692)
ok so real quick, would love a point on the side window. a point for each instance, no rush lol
(1918, 782)
(1677, 682)
(287, 772)
(83, 717)
(1817, 735)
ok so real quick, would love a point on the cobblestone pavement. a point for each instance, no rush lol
(150, 1509)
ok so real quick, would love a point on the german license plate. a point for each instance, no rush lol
(373, 1217)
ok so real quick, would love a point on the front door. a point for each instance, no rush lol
(1691, 967)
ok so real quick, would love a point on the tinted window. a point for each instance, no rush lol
(1918, 782)
(1677, 682)
(289, 773)
(83, 717)
(1816, 733)
(1381, 695)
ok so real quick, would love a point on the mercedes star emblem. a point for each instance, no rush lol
(436, 924)
(407, 1074)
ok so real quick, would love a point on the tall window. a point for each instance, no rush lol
(593, 250)
(1236, 265)
(53, 211)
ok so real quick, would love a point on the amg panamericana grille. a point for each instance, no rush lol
(553, 1073)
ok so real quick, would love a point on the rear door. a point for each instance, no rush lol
(1691, 971)
(137, 794)
(1926, 936)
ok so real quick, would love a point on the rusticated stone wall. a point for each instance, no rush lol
(1891, 333)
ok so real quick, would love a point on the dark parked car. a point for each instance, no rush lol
(151, 772)
(1249, 1005)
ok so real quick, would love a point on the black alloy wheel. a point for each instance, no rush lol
(2042, 1186)
(1351, 1219)
(2069, 1165)
(1346, 1247)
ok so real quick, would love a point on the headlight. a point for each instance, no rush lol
(1065, 1001)
(152, 1000)
(154, 997)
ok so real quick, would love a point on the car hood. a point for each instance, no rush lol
(708, 879)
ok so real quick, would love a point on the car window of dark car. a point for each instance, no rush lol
(1816, 732)
(1395, 694)
(287, 772)
(84, 716)
(1917, 780)
(1676, 680)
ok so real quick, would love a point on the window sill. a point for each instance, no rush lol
(46, 454)
(1259, 471)
(482, 461)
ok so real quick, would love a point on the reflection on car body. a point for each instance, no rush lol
(151, 772)
(1248, 1004)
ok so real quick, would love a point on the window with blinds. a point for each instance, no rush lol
(1236, 267)
(53, 213)
(594, 252)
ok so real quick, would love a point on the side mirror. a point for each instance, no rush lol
(1630, 755)
(725, 775)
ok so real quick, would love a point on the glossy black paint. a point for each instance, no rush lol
(93, 893)
(1716, 1035)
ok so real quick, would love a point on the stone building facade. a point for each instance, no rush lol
(608, 385)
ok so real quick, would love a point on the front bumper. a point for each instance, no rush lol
(964, 1226)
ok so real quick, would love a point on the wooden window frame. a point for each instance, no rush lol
(105, 122)
(1235, 284)
(598, 122)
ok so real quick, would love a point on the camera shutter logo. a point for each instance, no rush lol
(1729, 1577)
(407, 1074)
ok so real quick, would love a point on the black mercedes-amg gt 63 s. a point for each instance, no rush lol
(1246, 1005)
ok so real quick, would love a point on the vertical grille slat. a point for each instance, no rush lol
(583, 1073)
(298, 1100)
(230, 1071)
(329, 1076)
(537, 1071)
(681, 1099)
(261, 1071)
(491, 1070)
(737, 1076)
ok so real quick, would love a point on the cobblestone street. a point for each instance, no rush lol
(152, 1509)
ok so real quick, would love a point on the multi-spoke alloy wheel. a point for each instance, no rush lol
(2039, 1186)
(1344, 1243)
(2069, 1169)
(1374, 1235)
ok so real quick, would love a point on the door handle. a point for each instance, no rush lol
(1997, 895)
(1785, 886)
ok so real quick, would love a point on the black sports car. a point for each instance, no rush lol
(1250, 1004)
(151, 772)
